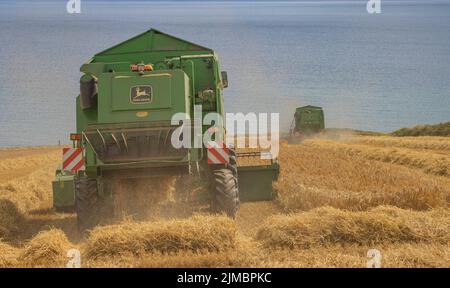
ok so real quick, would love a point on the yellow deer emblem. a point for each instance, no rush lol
(140, 94)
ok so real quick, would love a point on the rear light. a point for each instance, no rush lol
(74, 136)
(141, 67)
(134, 67)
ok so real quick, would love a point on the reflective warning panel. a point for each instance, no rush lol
(73, 159)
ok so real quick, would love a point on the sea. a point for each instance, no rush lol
(376, 72)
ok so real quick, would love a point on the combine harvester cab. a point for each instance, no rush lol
(129, 94)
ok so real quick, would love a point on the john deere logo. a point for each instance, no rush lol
(141, 94)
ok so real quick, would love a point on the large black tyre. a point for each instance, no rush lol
(86, 203)
(226, 192)
(232, 165)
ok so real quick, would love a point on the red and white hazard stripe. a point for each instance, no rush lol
(218, 154)
(73, 160)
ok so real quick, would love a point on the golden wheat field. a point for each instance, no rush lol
(338, 198)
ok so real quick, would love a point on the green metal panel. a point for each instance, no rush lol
(170, 95)
(63, 191)
(255, 182)
(160, 95)
(151, 41)
(164, 52)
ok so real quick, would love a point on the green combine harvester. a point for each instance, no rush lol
(308, 120)
(128, 95)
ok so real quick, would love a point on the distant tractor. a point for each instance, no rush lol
(308, 120)
(128, 95)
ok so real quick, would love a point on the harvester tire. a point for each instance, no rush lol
(226, 193)
(232, 165)
(86, 203)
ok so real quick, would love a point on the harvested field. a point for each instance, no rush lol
(428, 161)
(25, 177)
(435, 144)
(327, 226)
(354, 256)
(8, 255)
(177, 260)
(10, 218)
(339, 196)
(318, 174)
(47, 248)
(196, 234)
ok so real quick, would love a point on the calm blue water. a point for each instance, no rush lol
(375, 72)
